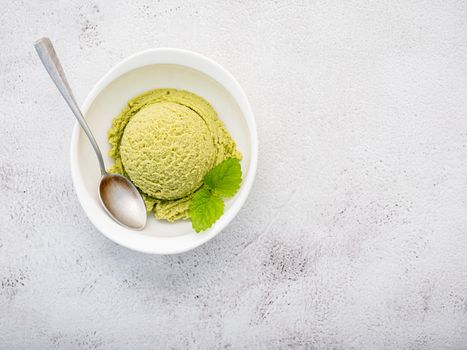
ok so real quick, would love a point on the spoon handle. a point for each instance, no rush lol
(49, 59)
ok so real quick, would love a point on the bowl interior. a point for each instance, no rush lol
(112, 99)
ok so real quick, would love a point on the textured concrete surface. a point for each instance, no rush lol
(355, 233)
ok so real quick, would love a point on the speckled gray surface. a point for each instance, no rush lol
(355, 233)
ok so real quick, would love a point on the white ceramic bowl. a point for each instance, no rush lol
(151, 69)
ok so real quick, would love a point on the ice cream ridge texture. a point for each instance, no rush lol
(165, 141)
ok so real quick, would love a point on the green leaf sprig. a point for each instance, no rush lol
(207, 204)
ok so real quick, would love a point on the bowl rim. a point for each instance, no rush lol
(204, 65)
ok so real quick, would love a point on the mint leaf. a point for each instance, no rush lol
(225, 178)
(205, 208)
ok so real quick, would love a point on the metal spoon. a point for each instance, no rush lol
(119, 197)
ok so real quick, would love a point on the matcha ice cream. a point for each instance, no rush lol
(165, 141)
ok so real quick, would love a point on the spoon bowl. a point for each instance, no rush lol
(122, 201)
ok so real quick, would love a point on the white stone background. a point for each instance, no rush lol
(355, 233)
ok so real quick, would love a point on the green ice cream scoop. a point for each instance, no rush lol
(165, 141)
(166, 150)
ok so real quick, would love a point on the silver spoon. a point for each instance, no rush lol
(119, 197)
